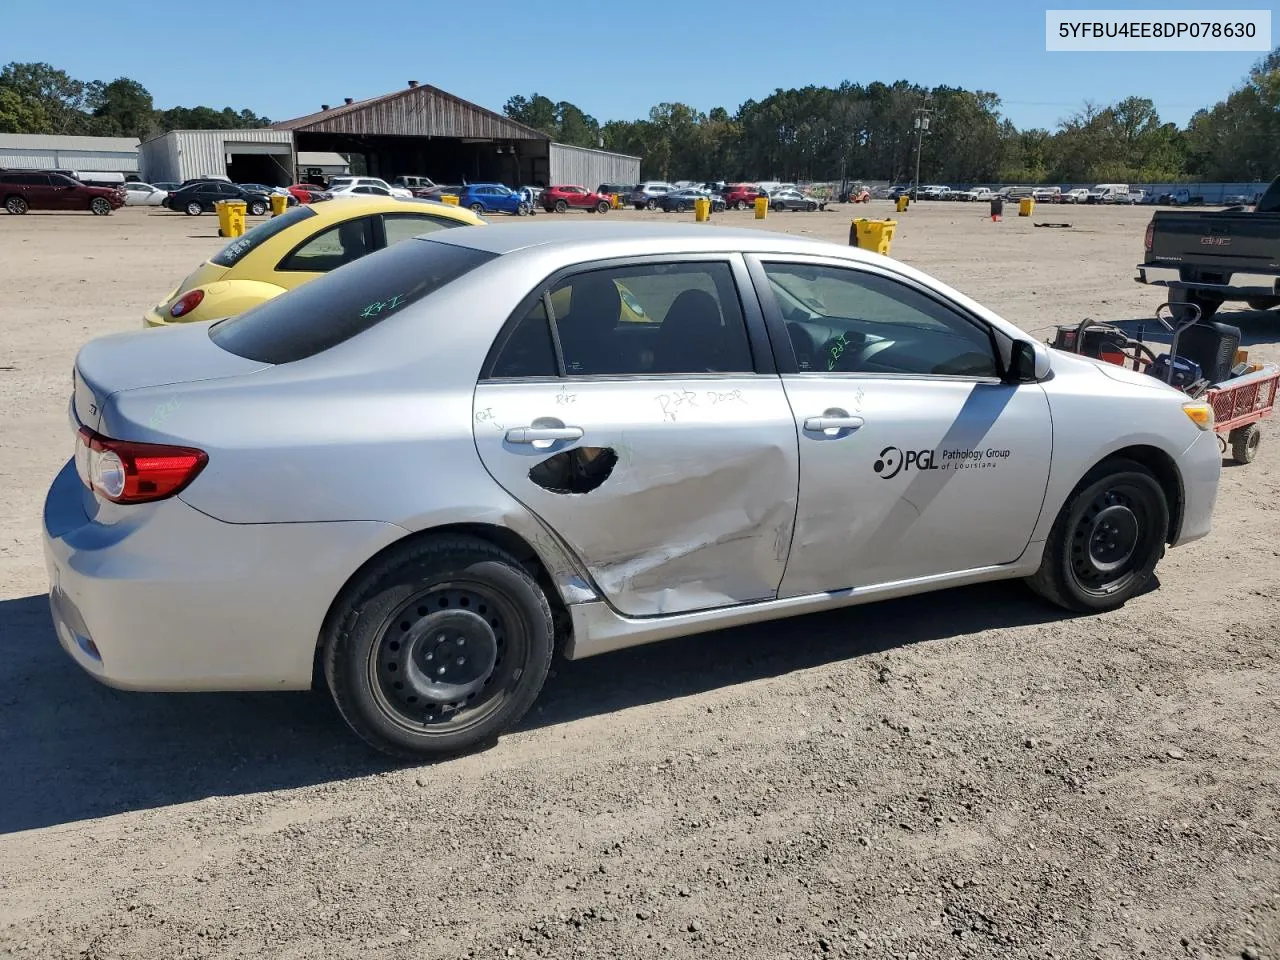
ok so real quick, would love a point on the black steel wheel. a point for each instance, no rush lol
(440, 648)
(100, 206)
(1107, 539)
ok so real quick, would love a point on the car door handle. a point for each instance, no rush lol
(823, 424)
(542, 434)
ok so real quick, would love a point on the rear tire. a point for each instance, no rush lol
(100, 207)
(455, 606)
(682, 208)
(1245, 442)
(258, 208)
(561, 206)
(1106, 541)
(194, 209)
(1263, 303)
(651, 205)
(16, 206)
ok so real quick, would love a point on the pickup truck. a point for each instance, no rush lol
(1208, 250)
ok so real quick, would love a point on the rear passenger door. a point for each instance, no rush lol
(40, 193)
(657, 443)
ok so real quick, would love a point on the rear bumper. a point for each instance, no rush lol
(1226, 291)
(1201, 466)
(163, 597)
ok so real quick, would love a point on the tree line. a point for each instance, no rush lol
(853, 131)
(867, 132)
(38, 98)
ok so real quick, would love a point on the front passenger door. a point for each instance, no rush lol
(916, 459)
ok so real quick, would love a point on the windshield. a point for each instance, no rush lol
(326, 312)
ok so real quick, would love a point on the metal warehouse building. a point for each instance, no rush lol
(27, 151)
(245, 156)
(422, 130)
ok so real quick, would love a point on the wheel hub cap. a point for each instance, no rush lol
(1113, 538)
(447, 655)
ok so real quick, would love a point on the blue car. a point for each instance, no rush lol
(494, 198)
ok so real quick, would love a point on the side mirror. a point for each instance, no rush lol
(1026, 364)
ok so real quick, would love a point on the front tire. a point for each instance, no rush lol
(476, 208)
(100, 207)
(439, 648)
(257, 208)
(602, 207)
(1106, 541)
(651, 205)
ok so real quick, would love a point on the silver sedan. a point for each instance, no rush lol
(428, 469)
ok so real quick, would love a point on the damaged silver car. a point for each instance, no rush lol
(423, 472)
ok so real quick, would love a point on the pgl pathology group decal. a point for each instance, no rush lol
(893, 460)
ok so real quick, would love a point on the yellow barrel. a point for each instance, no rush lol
(231, 214)
(903, 200)
(1026, 207)
(702, 210)
(279, 204)
(223, 207)
(617, 201)
(449, 198)
(875, 235)
(762, 207)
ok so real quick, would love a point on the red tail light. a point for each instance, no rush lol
(187, 303)
(125, 471)
(1151, 232)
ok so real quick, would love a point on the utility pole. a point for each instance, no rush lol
(922, 125)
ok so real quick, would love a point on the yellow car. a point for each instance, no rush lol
(299, 245)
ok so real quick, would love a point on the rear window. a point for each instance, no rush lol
(238, 249)
(326, 312)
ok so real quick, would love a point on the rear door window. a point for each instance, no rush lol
(334, 308)
(241, 247)
(328, 250)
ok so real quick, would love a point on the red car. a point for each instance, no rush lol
(23, 190)
(307, 192)
(560, 199)
(739, 196)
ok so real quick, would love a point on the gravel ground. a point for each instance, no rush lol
(972, 775)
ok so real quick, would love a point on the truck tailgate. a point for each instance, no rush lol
(1231, 242)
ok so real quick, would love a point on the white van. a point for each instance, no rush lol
(1109, 193)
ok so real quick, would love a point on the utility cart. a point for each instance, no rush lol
(1204, 361)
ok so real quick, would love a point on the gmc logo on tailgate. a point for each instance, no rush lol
(1215, 241)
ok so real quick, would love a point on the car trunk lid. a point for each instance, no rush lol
(161, 357)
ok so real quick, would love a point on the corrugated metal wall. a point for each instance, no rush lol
(98, 161)
(183, 154)
(590, 168)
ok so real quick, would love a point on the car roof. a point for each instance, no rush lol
(630, 238)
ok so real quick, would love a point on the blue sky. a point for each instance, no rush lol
(612, 61)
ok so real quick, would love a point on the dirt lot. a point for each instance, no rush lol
(968, 775)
